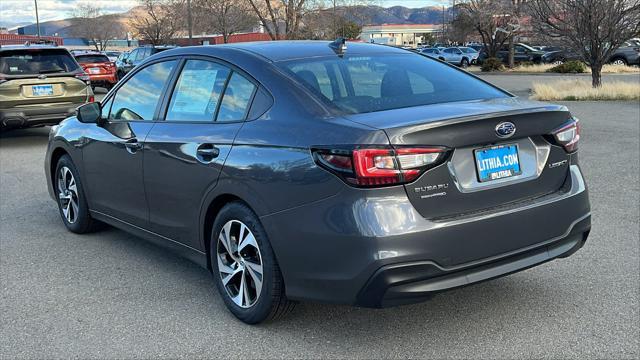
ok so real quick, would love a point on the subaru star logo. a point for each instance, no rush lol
(505, 130)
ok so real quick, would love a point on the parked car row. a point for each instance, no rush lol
(461, 56)
(627, 54)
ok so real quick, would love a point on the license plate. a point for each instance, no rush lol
(42, 90)
(497, 162)
(95, 70)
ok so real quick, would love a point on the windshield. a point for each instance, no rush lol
(468, 50)
(361, 84)
(36, 61)
(92, 58)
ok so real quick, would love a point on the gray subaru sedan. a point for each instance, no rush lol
(326, 171)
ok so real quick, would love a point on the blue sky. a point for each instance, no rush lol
(20, 11)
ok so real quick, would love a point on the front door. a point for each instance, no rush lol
(113, 152)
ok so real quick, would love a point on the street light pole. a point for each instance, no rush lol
(37, 19)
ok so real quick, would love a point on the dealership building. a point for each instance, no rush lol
(400, 34)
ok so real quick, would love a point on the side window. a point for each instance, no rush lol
(197, 92)
(140, 54)
(132, 56)
(138, 98)
(106, 107)
(236, 98)
(520, 50)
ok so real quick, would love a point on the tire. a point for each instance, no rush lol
(464, 63)
(72, 202)
(263, 302)
(619, 61)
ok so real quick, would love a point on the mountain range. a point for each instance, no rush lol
(366, 15)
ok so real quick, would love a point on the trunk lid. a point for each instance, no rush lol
(455, 187)
(16, 92)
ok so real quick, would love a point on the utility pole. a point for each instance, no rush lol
(37, 19)
(443, 24)
(189, 25)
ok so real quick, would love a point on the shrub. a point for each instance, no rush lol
(572, 90)
(526, 63)
(569, 67)
(492, 64)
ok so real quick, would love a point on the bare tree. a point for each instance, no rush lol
(494, 20)
(281, 18)
(161, 21)
(593, 28)
(89, 22)
(225, 17)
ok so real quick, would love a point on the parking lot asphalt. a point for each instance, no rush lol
(112, 295)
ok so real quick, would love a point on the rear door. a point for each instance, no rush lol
(187, 150)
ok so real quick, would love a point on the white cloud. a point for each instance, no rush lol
(14, 11)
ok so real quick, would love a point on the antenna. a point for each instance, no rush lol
(339, 46)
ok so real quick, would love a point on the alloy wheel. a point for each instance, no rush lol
(68, 194)
(239, 263)
(619, 62)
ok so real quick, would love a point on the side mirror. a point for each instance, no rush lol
(89, 113)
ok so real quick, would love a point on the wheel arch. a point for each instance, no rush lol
(56, 154)
(210, 214)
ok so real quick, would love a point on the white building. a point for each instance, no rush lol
(410, 35)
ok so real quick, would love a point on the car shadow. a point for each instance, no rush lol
(448, 310)
(24, 137)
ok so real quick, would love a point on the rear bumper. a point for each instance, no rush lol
(103, 78)
(35, 116)
(372, 248)
(407, 283)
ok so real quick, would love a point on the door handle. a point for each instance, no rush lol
(132, 145)
(206, 153)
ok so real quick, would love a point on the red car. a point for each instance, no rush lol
(102, 71)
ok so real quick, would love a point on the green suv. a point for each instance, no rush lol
(39, 85)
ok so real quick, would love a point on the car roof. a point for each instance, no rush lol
(297, 49)
(29, 46)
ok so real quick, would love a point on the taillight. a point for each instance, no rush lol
(568, 135)
(84, 77)
(91, 98)
(370, 167)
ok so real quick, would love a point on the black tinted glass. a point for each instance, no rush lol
(92, 58)
(236, 98)
(387, 82)
(138, 97)
(197, 92)
(36, 61)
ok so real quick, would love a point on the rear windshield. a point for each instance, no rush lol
(36, 61)
(361, 84)
(92, 58)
